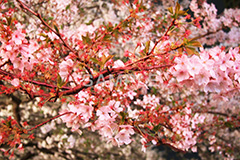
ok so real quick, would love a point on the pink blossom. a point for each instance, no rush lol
(15, 82)
(202, 78)
(205, 60)
(46, 128)
(65, 68)
(181, 74)
(128, 129)
(106, 131)
(84, 110)
(144, 142)
(212, 86)
(18, 37)
(131, 94)
(211, 148)
(123, 137)
(212, 139)
(182, 62)
(194, 66)
(115, 105)
(103, 113)
(194, 149)
(71, 141)
(118, 64)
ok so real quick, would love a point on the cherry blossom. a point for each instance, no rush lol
(15, 82)
(65, 66)
(122, 69)
(18, 37)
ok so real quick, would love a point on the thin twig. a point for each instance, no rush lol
(45, 23)
(39, 125)
(32, 81)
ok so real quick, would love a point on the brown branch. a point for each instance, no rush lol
(56, 32)
(45, 23)
(219, 113)
(16, 109)
(206, 34)
(106, 75)
(32, 81)
(110, 33)
(165, 34)
(4, 63)
(150, 54)
(39, 125)
(170, 145)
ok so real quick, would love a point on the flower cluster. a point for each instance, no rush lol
(162, 80)
(213, 70)
(184, 126)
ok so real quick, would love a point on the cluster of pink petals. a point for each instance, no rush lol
(80, 115)
(105, 123)
(184, 126)
(117, 134)
(65, 68)
(213, 70)
(149, 101)
(19, 44)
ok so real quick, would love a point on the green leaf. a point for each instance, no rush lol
(125, 24)
(105, 59)
(220, 119)
(60, 81)
(229, 124)
(123, 115)
(67, 7)
(56, 29)
(107, 37)
(9, 20)
(43, 35)
(180, 50)
(181, 13)
(116, 33)
(185, 40)
(147, 47)
(191, 51)
(173, 28)
(170, 9)
(177, 8)
(143, 54)
(95, 60)
(156, 128)
(86, 39)
(109, 28)
(195, 44)
(90, 22)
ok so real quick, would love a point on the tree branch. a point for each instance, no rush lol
(32, 81)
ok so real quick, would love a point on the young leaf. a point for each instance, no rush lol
(67, 7)
(107, 37)
(95, 60)
(170, 9)
(147, 47)
(9, 20)
(60, 81)
(86, 39)
(195, 44)
(107, 58)
(181, 13)
(177, 8)
(191, 51)
(43, 35)
(56, 28)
